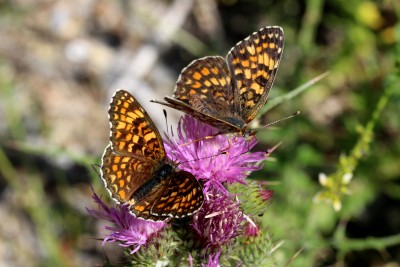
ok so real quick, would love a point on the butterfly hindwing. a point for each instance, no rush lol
(205, 78)
(181, 196)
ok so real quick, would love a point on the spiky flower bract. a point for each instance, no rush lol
(253, 197)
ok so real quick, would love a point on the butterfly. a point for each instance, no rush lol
(229, 93)
(135, 169)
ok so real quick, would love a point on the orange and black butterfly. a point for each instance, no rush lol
(229, 93)
(135, 169)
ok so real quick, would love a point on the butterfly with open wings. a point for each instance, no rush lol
(135, 169)
(229, 93)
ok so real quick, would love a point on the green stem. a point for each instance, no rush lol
(344, 244)
(278, 100)
(310, 22)
(366, 136)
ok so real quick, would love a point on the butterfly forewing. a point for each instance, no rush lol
(132, 130)
(123, 175)
(253, 64)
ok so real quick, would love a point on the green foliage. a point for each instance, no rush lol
(255, 251)
(161, 249)
(249, 197)
(171, 247)
(337, 183)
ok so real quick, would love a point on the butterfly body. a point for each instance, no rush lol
(156, 179)
(228, 93)
(136, 171)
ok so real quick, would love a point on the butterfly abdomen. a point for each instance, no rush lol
(239, 123)
(163, 172)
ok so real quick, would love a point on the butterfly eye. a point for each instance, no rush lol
(247, 134)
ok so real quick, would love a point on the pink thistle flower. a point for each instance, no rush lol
(214, 158)
(213, 260)
(219, 220)
(129, 231)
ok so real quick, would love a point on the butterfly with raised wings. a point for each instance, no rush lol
(135, 169)
(229, 93)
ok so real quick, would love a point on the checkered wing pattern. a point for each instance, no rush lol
(133, 133)
(180, 196)
(205, 78)
(123, 175)
(204, 90)
(134, 167)
(228, 94)
(253, 64)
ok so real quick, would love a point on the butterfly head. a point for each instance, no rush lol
(248, 133)
(164, 171)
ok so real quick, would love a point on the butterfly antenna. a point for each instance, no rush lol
(166, 120)
(283, 119)
(272, 149)
(95, 168)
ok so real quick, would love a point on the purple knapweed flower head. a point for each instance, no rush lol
(128, 230)
(219, 220)
(212, 157)
(213, 260)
